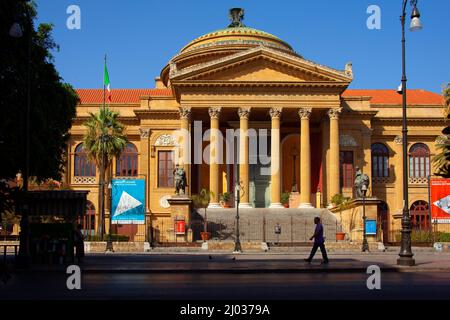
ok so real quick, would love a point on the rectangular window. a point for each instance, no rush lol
(165, 169)
(346, 172)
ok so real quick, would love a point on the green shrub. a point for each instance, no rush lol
(426, 237)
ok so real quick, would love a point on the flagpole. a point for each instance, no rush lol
(104, 85)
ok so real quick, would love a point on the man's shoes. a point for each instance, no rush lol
(324, 262)
(307, 260)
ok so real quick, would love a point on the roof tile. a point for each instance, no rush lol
(391, 97)
(120, 95)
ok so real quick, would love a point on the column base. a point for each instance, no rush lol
(276, 205)
(305, 206)
(406, 261)
(214, 205)
(245, 205)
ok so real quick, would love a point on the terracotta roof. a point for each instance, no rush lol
(120, 95)
(391, 97)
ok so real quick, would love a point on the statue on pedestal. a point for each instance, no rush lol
(180, 180)
(361, 179)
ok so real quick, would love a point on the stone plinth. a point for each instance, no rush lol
(180, 209)
(351, 218)
(294, 200)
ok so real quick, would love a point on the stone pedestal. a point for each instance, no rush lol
(351, 218)
(180, 209)
(371, 208)
(294, 200)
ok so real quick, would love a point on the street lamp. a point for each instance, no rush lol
(406, 255)
(237, 193)
(109, 243)
(365, 245)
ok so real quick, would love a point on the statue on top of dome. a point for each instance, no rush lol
(236, 16)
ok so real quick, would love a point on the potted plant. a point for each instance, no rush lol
(339, 201)
(285, 196)
(225, 199)
(200, 201)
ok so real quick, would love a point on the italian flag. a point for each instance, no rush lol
(106, 83)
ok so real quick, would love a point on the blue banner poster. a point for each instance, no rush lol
(128, 201)
(371, 227)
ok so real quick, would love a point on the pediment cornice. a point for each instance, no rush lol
(201, 70)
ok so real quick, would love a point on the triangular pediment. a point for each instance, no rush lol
(261, 65)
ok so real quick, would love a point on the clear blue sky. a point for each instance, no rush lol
(140, 36)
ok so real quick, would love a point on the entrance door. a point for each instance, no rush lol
(383, 222)
(259, 175)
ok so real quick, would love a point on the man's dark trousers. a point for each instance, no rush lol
(322, 249)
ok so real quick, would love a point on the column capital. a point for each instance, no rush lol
(398, 140)
(304, 113)
(334, 113)
(275, 112)
(214, 112)
(244, 112)
(144, 132)
(185, 112)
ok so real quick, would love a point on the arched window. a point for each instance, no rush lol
(88, 220)
(83, 167)
(419, 161)
(127, 163)
(380, 161)
(420, 217)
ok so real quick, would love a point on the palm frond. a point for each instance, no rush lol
(105, 135)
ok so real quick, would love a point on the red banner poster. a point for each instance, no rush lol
(440, 200)
(180, 227)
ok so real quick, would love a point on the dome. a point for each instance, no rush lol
(224, 42)
(239, 35)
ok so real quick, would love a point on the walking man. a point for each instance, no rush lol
(319, 242)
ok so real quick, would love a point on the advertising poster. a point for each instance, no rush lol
(440, 200)
(128, 201)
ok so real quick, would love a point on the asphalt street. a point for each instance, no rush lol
(228, 286)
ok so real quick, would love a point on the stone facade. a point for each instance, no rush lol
(227, 81)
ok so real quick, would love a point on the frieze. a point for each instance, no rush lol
(346, 140)
(165, 140)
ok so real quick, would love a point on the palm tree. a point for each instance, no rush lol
(202, 200)
(104, 140)
(442, 159)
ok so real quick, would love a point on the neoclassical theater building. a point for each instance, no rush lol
(318, 130)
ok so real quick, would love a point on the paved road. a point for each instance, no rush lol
(228, 286)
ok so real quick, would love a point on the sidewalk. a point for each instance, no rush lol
(201, 263)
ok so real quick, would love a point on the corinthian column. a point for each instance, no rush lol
(244, 114)
(305, 158)
(185, 156)
(335, 187)
(214, 113)
(275, 182)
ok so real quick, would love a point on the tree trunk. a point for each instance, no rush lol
(101, 199)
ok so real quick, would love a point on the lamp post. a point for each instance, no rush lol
(406, 255)
(109, 243)
(237, 241)
(365, 245)
(294, 154)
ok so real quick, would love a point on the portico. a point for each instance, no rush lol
(256, 152)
